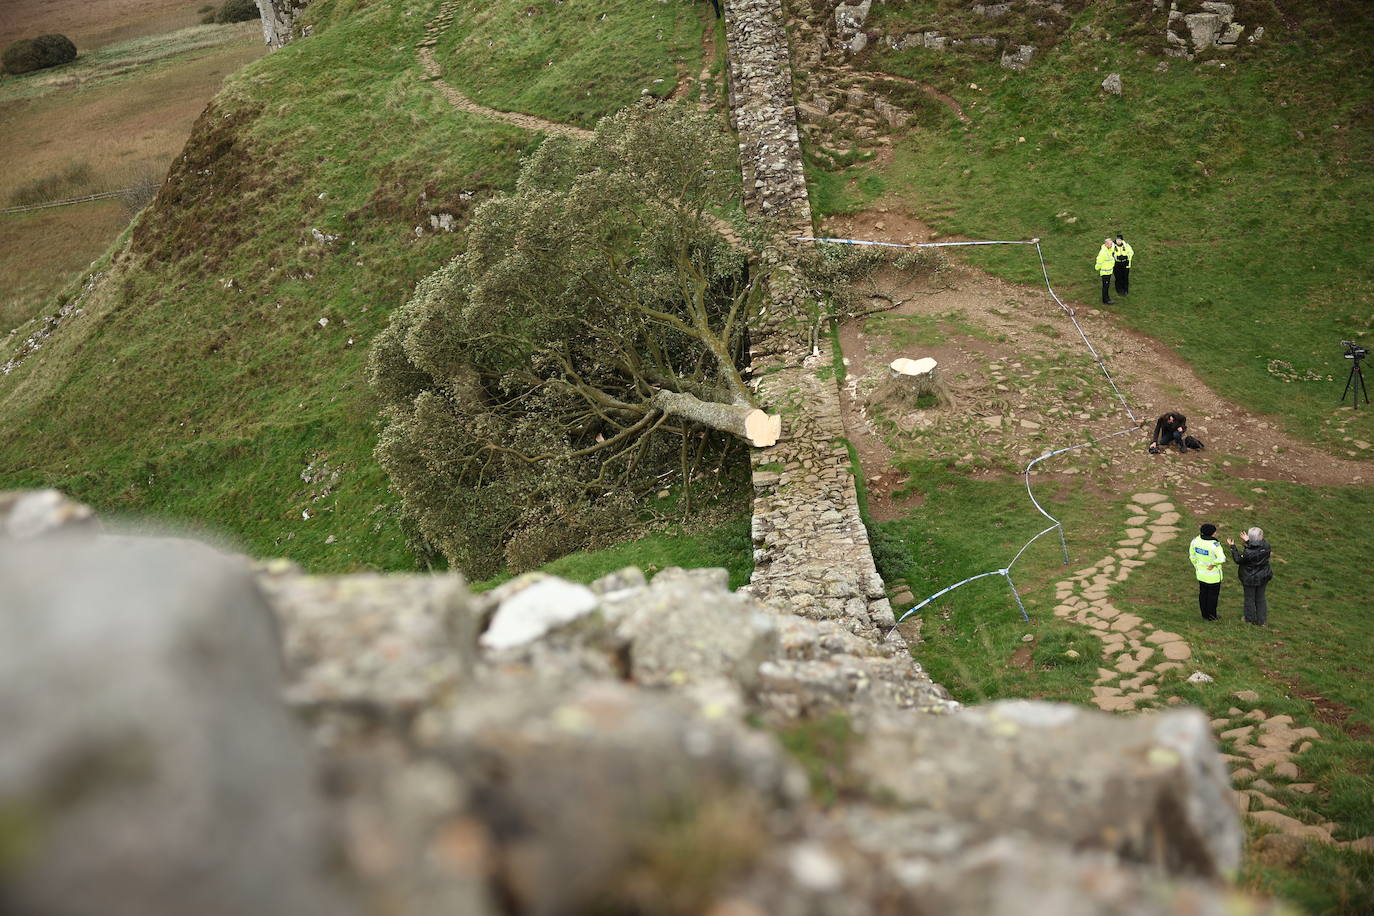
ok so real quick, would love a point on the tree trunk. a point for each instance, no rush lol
(909, 379)
(758, 428)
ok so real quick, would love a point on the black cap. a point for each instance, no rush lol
(1120, 236)
(1208, 530)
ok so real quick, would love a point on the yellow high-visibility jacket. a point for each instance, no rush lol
(1106, 260)
(1207, 557)
(1124, 248)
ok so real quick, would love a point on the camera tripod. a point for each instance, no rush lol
(1356, 374)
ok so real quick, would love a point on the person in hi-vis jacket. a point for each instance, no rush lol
(1207, 556)
(1125, 256)
(1106, 265)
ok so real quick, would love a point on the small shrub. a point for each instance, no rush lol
(230, 11)
(73, 181)
(29, 54)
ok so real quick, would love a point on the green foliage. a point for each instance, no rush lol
(706, 544)
(230, 11)
(519, 382)
(29, 54)
(73, 181)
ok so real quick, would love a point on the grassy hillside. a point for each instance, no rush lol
(214, 373)
(1246, 189)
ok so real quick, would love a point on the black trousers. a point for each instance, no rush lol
(1106, 289)
(1256, 605)
(1207, 595)
(1123, 279)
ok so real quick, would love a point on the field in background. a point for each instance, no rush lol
(111, 119)
(94, 23)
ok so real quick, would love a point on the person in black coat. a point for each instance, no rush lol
(1253, 563)
(1171, 427)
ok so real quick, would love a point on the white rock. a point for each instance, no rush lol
(536, 605)
(1197, 677)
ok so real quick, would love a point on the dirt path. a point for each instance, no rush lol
(1023, 382)
(434, 72)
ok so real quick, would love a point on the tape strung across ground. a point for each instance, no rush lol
(1005, 572)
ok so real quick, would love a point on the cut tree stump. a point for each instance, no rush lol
(910, 379)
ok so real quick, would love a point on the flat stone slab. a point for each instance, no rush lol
(1291, 826)
(1160, 637)
(1177, 651)
(1149, 499)
(1126, 622)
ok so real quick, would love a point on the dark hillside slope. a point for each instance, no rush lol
(211, 367)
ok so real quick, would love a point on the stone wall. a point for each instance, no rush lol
(811, 554)
(189, 731)
(279, 20)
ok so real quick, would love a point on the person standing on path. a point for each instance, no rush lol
(1106, 264)
(1252, 564)
(1207, 556)
(1124, 254)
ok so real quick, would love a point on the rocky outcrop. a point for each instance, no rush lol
(621, 757)
(279, 21)
(1193, 27)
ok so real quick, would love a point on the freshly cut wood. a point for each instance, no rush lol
(757, 427)
(909, 379)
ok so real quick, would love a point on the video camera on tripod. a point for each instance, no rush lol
(1355, 353)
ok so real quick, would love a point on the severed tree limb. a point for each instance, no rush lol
(758, 428)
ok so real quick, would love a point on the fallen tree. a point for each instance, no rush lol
(587, 348)
(588, 342)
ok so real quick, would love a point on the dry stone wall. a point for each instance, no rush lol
(812, 554)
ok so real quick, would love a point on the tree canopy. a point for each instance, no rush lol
(588, 344)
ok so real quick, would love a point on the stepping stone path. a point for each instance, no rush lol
(1138, 656)
(1137, 653)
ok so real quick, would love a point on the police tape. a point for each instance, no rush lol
(806, 238)
(1056, 525)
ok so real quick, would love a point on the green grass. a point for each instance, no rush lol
(1251, 244)
(726, 545)
(1312, 662)
(199, 385)
(573, 61)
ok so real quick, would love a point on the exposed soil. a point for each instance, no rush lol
(1023, 382)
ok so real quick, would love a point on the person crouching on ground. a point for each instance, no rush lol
(1171, 427)
(1252, 565)
(1106, 266)
(1207, 556)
